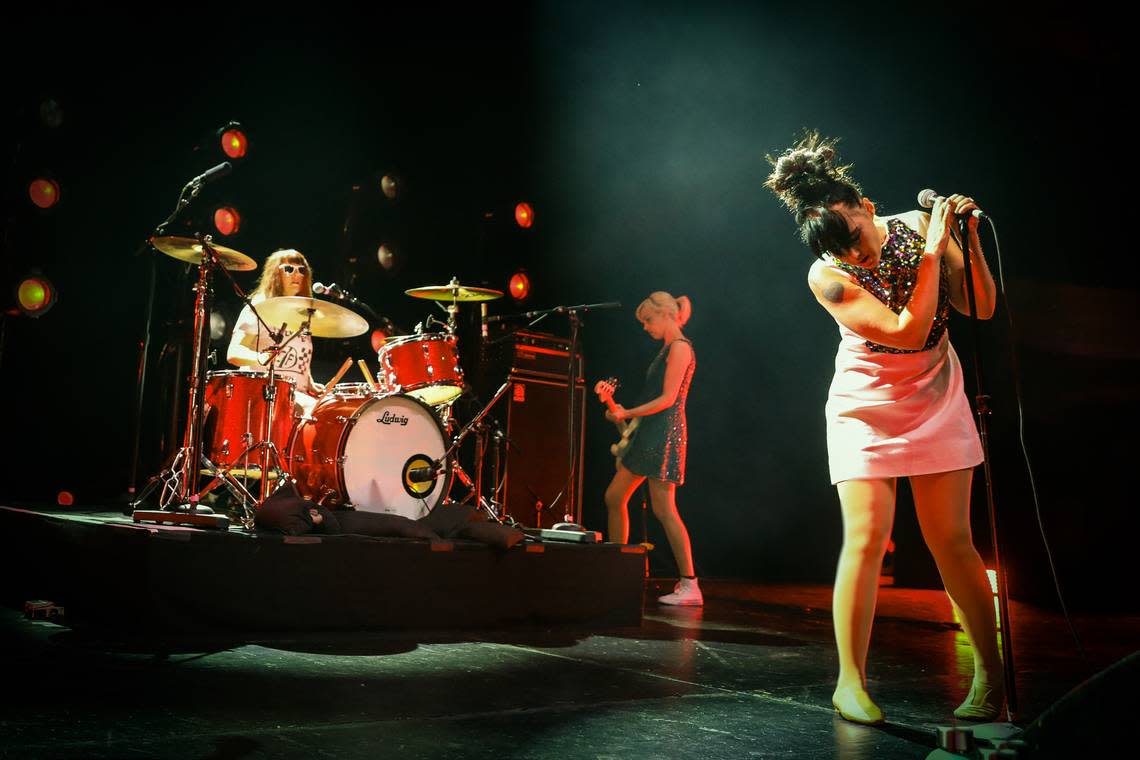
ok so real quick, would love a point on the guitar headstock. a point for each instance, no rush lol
(606, 388)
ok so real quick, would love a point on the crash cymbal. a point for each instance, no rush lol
(454, 292)
(328, 319)
(190, 250)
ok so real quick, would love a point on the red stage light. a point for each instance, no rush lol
(44, 192)
(234, 143)
(524, 215)
(519, 286)
(227, 220)
(35, 295)
(65, 499)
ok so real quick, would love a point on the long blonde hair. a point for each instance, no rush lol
(660, 302)
(269, 284)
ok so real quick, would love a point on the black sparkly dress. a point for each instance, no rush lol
(660, 441)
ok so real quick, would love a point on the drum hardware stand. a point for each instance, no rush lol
(424, 474)
(266, 448)
(177, 503)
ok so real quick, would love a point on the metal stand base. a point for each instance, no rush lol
(179, 517)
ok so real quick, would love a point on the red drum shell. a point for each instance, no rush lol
(423, 366)
(234, 416)
(358, 450)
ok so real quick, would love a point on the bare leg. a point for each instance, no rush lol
(663, 497)
(942, 502)
(868, 512)
(617, 497)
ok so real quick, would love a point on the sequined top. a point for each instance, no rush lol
(893, 281)
(659, 445)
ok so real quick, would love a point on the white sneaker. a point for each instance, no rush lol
(685, 594)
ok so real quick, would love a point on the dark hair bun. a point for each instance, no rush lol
(805, 176)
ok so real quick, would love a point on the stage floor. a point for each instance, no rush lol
(749, 675)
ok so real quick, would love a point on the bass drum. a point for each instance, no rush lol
(356, 452)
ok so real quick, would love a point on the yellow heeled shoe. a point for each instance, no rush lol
(984, 701)
(856, 706)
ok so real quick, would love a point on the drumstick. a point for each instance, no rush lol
(336, 378)
(367, 374)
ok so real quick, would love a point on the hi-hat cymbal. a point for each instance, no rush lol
(454, 292)
(190, 250)
(328, 319)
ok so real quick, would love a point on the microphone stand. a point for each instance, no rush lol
(437, 465)
(983, 412)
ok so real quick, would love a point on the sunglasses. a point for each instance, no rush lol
(291, 268)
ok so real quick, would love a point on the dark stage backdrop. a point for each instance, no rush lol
(638, 133)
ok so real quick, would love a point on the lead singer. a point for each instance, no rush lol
(896, 407)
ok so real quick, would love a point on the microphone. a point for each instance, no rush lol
(927, 197)
(332, 289)
(422, 474)
(210, 175)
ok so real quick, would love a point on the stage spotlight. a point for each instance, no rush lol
(524, 215)
(35, 295)
(227, 220)
(234, 143)
(218, 325)
(44, 192)
(51, 113)
(390, 186)
(387, 257)
(65, 498)
(519, 286)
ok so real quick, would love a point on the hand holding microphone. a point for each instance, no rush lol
(959, 204)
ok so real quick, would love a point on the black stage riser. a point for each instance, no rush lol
(185, 579)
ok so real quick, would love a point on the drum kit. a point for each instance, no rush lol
(381, 445)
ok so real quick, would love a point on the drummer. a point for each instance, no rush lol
(285, 273)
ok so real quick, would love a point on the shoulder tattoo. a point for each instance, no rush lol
(833, 292)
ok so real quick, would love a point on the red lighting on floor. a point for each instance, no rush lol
(44, 192)
(519, 286)
(524, 215)
(35, 295)
(234, 143)
(227, 220)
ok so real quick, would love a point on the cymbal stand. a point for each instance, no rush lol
(177, 496)
(189, 193)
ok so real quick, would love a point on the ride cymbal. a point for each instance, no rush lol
(454, 292)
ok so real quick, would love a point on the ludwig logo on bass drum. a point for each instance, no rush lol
(388, 418)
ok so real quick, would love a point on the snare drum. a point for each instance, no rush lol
(352, 390)
(235, 409)
(358, 451)
(423, 366)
